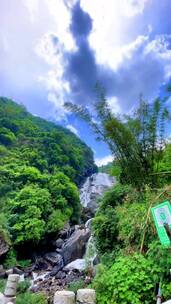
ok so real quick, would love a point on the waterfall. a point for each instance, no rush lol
(93, 188)
(91, 252)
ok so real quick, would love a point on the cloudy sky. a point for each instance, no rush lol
(54, 51)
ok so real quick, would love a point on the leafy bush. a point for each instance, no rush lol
(75, 285)
(2, 285)
(105, 230)
(22, 287)
(105, 223)
(35, 211)
(11, 259)
(130, 280)
(31, 298)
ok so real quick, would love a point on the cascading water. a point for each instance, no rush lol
(93, 188)
(91, 191)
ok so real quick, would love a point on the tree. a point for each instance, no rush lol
(28, 212)
(136, 141)
(65, 195)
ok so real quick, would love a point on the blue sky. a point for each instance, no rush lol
(54, 51)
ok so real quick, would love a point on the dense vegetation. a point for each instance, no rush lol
(133, 263)
(40, 165)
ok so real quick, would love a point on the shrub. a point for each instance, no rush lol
(130, 280)
(31, 298)
(11, 259)
(22, 287)
(74, 286)
(2, 285)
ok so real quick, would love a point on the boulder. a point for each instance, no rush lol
(4, 245)
(16, 270)
(65, 232)
(3, 275)
(60, 275)
(54, 259)
(86, 296)
(9, 271)
(64, 297)
(59, 242)
(40, 264)
(56, 269)
(78, 264)
(75, 246)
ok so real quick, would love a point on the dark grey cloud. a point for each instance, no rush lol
(81, 23)
(82, 71)
(142, 70)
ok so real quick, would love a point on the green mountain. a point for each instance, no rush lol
(40, 165)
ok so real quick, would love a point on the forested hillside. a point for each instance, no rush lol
(40, 165)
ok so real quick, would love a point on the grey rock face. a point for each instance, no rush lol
(74, 247)
(93, 188)
(54, 259)
(78, 264)
(4, 246)
(59, 243)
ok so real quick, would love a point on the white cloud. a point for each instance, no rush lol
(133, 7)
(113, 103)
(32, 6)
(111, 22)
(104, 160)
(72, 129)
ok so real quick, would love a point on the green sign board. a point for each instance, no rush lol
(162, 215)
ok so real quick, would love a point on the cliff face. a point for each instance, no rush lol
(93, 188)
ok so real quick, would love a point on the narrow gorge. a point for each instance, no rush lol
(74, 250)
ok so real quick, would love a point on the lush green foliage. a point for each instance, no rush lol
(40, 163)
(24, 296)
(31, 298)
(130, 280)
(22, 287)
(123, 228)
(75, 285)
(105, 223)
(136, 141)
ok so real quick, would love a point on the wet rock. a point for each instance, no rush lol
(59, 243)
(58, 250)
(4, 246)
(56, 269)
(41, 264)
(65, 233)
(74, 247)
(79, 264)
(9, 271)
(16, 270)
(60, 275)
(54, 258)
(96, 260)
(3, 275)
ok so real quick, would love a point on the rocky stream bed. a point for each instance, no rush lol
(73, 251)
